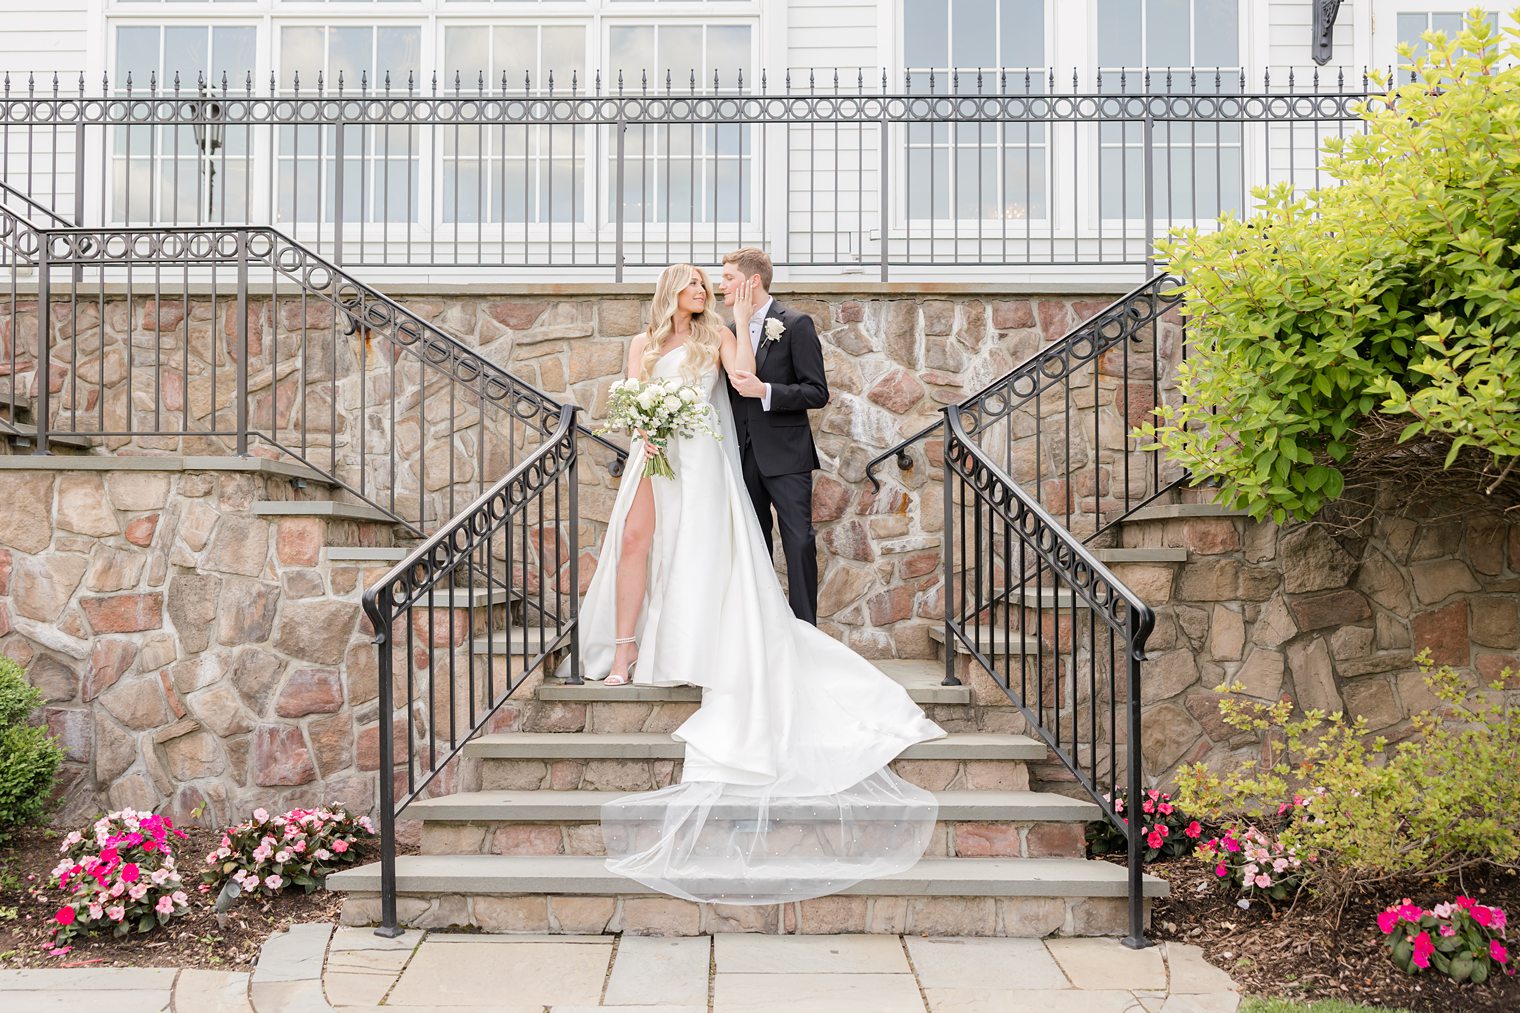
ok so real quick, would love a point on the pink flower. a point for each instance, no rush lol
(1447, 930)
(65, 916)
(260, 815)
(1166, 808)
(1423, 948)
(1231, 844)
(1221, 871)
(138, 892)
(1388, 920)
(1194, 830)
(1465, 903)
(116, 913)
(1499, 918)
(130, 872)
(165, 905)
(1482, 915)
(1263, 881)
(1411, 913)
(273, 882)
(1497, 951)
(340, 846)
(59, 951)
(1154, 839)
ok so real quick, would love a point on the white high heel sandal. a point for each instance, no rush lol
(616, 680)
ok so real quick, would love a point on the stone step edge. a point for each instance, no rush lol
(661, 746)
(26, 433)
(495, 875)
(168, 462)
(1183, 511)
(996, 641)
(928, 691)
(327, 509)
(1165, 555)
(545, 806)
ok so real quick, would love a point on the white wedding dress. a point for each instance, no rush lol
(785, 792)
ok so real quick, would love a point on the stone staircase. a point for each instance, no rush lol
(521, 850)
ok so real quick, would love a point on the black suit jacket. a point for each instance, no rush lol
(781, 439)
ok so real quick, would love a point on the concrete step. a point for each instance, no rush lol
(643, 761)
(990, 637)
(921, 677)
(1182, 511)
(1006, 824)
(515, 641)
(659, 746)
(366, 554)
(585, 806)
(570, 894)
(466, 597)
(24, 434)
(326, 509)
(1163, 555)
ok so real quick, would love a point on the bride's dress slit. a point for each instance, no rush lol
(785, 791)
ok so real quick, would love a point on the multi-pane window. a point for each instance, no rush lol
(1412, 26)
(1182, 46)
(976, 171)
(380, 170)
(181, 175)
(690, 172)
(513, 172)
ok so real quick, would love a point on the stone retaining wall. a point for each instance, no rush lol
(190, 652)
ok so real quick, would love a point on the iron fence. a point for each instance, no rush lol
(1003, 167)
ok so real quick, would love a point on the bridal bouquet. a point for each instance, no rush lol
(658, 409)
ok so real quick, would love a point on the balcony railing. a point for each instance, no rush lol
(913, 177)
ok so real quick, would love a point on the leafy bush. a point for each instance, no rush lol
(1440, 801)
(1326, 318)
(1166, 830)
(1463, 939)
(1256, 864)
(118, 874)
(267, 854)
(29, 758)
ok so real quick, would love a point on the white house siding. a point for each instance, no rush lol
(39, 38)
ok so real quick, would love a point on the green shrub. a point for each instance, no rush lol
(1324, 322)
(1440, 801)
(29, 758)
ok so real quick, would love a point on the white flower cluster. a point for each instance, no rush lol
(660, 409)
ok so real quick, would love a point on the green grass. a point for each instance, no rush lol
(1261, 1004)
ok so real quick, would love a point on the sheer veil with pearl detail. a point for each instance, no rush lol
(784, 792)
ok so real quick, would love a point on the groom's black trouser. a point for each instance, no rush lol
(792, 496)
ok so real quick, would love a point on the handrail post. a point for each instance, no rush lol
(575, 556)
(383, 617)
(617, 248)
(948, 547)
(1149, 173)
(883, 197)
(241, 309)
(44, 345)
(337, 255)
(1136, 939)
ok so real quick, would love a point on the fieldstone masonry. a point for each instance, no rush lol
(194, 653)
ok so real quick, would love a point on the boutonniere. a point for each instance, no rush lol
(774, 328)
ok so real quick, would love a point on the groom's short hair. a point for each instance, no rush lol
(752, 260)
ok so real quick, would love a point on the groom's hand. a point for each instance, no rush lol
(747, 384)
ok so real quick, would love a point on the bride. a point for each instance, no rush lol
(785, 792)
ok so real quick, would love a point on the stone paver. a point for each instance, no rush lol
(816, 993)
(201, 991)
(520, 976)
(314, 968)
(1030, 1000)
(995, 964)
(649, 971)
(1101, 963)
(751, 953)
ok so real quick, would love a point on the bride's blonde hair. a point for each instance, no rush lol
(706, 327)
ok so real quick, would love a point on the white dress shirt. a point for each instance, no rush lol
(756, 335)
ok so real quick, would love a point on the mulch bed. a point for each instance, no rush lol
(199, 938)
(1315, 949)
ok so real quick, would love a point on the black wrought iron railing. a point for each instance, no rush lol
(483, 605)
(938, 168)
(1037, 465)
(211, 339)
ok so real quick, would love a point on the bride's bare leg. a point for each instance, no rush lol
(632, 576)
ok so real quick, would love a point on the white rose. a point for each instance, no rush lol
(689, 395)
(672, 403)
(646, 399)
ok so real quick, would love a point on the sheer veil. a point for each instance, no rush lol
(788, 795)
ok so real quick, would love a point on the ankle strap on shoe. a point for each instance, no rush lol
(626, 640)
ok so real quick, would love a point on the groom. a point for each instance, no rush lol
(770, 415)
